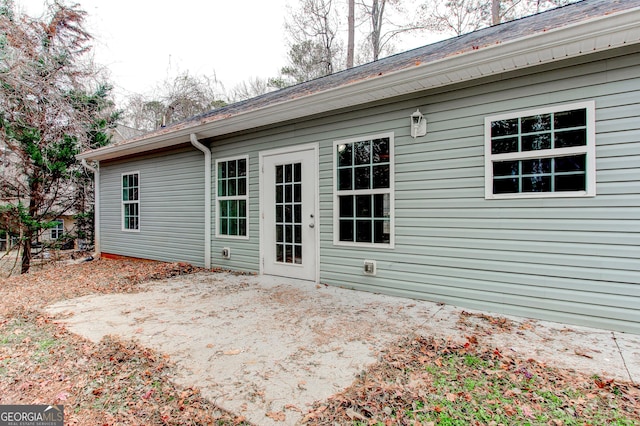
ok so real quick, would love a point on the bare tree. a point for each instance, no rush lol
(50, 109)
(351, 30)
(456, 16)
(462, 16)
(314, 47)
(142, 113)
(382, 28)
(496, 17)
(173, 100)
(187, 95)
(251, 88)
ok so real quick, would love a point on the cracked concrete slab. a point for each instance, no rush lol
(255, 345)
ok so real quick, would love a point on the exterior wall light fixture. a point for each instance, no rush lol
(418, 124)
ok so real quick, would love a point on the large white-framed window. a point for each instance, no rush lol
(363, 207)
(232, 206)
(544, 152)
(131, 201)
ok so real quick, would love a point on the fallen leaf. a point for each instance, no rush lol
(278, 416)
(293, 407)
(526, 411)
(232, 352)
(580, 353)
(352, 414)
(510, 410)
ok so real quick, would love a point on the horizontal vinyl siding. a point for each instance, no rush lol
(171, 207)
(575, 260)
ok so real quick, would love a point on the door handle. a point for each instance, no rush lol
(312, 225)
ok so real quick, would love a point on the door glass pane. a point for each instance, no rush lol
(297, 172)
(288, 214)
(298, 254)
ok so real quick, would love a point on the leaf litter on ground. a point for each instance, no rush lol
(427, 381)
(112, 382)
(417, 381)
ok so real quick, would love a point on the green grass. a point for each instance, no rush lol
(490, 394)
(434, 382)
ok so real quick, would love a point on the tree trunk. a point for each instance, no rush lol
(35, 200)
(376, 23)
(26, 252)
(351, 39)
(495, 12)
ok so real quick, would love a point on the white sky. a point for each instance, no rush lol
(142, 42)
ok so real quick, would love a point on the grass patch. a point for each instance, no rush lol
(429, 381)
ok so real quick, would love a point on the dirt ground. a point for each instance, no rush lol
(267, 348)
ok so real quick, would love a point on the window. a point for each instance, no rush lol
(131, 201)
(233, 200)
(58, 230)
(288, 203)
(363, 195)
(542, 153)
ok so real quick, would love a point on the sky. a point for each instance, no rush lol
(142, 42)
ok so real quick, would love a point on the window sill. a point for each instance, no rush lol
(528, 195)
(364, 245)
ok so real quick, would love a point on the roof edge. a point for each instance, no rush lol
(589, 36)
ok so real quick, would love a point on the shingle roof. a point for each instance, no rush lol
(424, 59)
(541, 22)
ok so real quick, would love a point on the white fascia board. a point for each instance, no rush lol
(602, 33)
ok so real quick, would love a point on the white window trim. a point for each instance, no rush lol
(122, 202)
(235, 197)
(390, 191)
(56, 229)
(589, 149)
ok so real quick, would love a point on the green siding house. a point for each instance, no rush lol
(498, 170)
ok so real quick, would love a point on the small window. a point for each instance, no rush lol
(542, 153)
(131, 201)
(233, 200)
(363, 202)
(58, 230)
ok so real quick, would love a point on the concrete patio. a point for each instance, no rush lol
(260, 344)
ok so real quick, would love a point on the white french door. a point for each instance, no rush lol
(289, 236)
